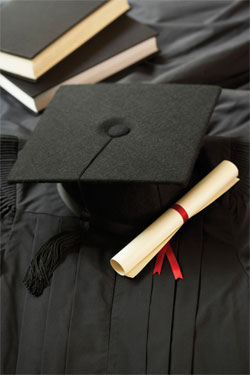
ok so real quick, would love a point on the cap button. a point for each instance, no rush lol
(118, 130)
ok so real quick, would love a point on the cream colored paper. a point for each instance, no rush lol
(136, 255)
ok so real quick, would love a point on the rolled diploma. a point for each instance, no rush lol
(138, 253)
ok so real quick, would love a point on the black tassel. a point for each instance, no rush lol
(48, 258)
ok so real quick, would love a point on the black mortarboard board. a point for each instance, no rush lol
(118, 132)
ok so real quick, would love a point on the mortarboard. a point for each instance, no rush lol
(122, 134)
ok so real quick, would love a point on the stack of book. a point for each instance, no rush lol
(46, 44)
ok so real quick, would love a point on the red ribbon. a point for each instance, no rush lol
(168, 251)
(181, 211)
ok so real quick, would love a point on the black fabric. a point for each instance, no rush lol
(200, 42)
(122, 34)
(106, 323)
(46, 20)
(167, 124)
(8, 154)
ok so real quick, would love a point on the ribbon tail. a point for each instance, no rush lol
(159, 261)
(173, 262)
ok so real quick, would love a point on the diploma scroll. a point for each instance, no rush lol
(138, 253)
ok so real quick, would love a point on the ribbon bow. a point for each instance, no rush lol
(168, 251)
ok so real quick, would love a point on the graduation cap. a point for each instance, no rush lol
(117, 133)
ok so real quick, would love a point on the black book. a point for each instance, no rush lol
(118, 46)
(36, 35)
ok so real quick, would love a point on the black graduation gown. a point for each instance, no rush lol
(91, 320)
